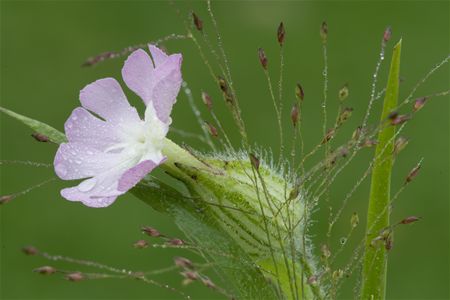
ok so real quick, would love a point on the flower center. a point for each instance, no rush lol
(146, 138)
(143, 139)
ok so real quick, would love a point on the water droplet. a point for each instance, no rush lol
(61, 169)
(87, 185)
(342, 240)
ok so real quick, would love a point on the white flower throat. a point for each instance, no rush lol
(144, 139)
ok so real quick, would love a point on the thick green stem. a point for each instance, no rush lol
(375, 256)
(177, 155)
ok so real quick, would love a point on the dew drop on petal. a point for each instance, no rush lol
(61, 169)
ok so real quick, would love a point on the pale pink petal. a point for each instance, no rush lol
(73, 194)
(137, 73)
(159, 57)
(158, 85)
(83, 127)
(106, 98)
(170, 64)
(99, 191)
(165, 91)
(133, 175)
(77, 160)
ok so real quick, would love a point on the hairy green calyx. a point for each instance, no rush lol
(261, 211)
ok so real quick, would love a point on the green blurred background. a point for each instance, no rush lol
(43, 44)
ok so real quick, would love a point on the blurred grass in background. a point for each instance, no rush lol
(43, 44)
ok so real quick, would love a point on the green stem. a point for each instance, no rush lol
(375, 256)
(177, 155)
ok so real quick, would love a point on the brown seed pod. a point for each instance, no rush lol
(387, 34)
(6, 198)
(400, 119)
(294, 114)
(343, 92)
(140, 244)
(150, 231)
(368, 143)
(191, 275)
(262, 58)
(400, 144)
(197, 22)
(414, 172)
(419, 103)
(207, 100)
(254, 161)
(45, 270)
(30, 250)
(354, 221)
(223, 84)
(208, 283)
(226, 91)
(183, 262)
(299, 93)
(389, 242)
(212, 130)
(312, 280)
(324, 32)
(40, 137)
(176, 242)
(329, 135)
(357, 133)
(409, 220)
(345, 115)
(281, 34)
(75, 277)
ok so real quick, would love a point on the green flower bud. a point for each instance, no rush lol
(253, 204)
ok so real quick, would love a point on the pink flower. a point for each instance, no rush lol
(114, 153)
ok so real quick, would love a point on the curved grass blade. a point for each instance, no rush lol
(375, 256)
(53, 134)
